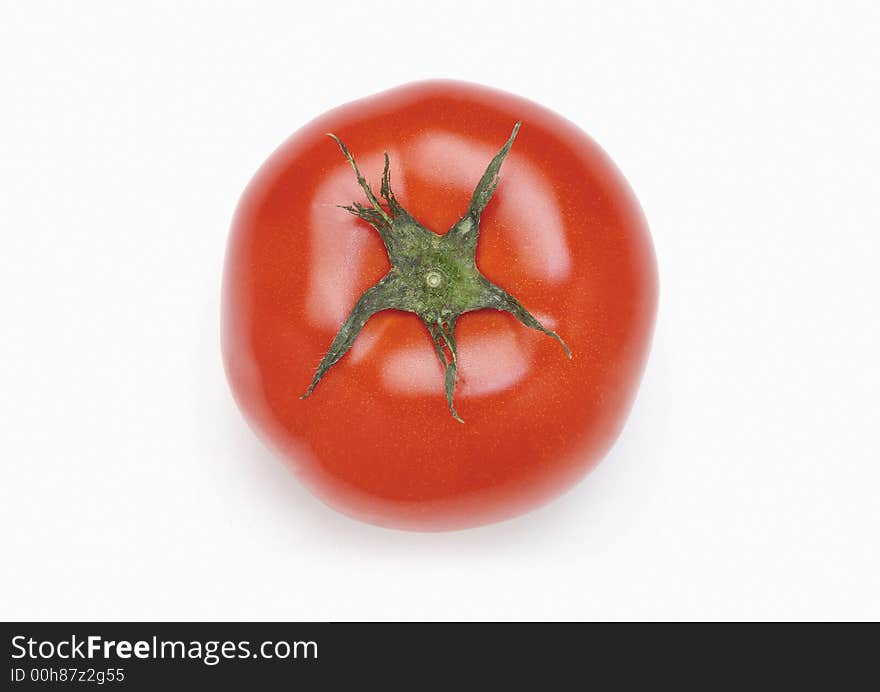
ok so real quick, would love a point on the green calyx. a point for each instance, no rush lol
(434, 276)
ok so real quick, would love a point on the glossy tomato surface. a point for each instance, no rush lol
(563, 233)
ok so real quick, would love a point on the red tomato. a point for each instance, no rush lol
(563, 235)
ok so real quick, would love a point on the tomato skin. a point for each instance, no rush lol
(564, 234)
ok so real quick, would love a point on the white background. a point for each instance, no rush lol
(746, 482)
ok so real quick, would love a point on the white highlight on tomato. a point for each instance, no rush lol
(337, 241)
(488, 364)
(542, 249)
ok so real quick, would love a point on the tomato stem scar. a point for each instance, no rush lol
(434, 276)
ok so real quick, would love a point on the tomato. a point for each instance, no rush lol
(424, 301)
